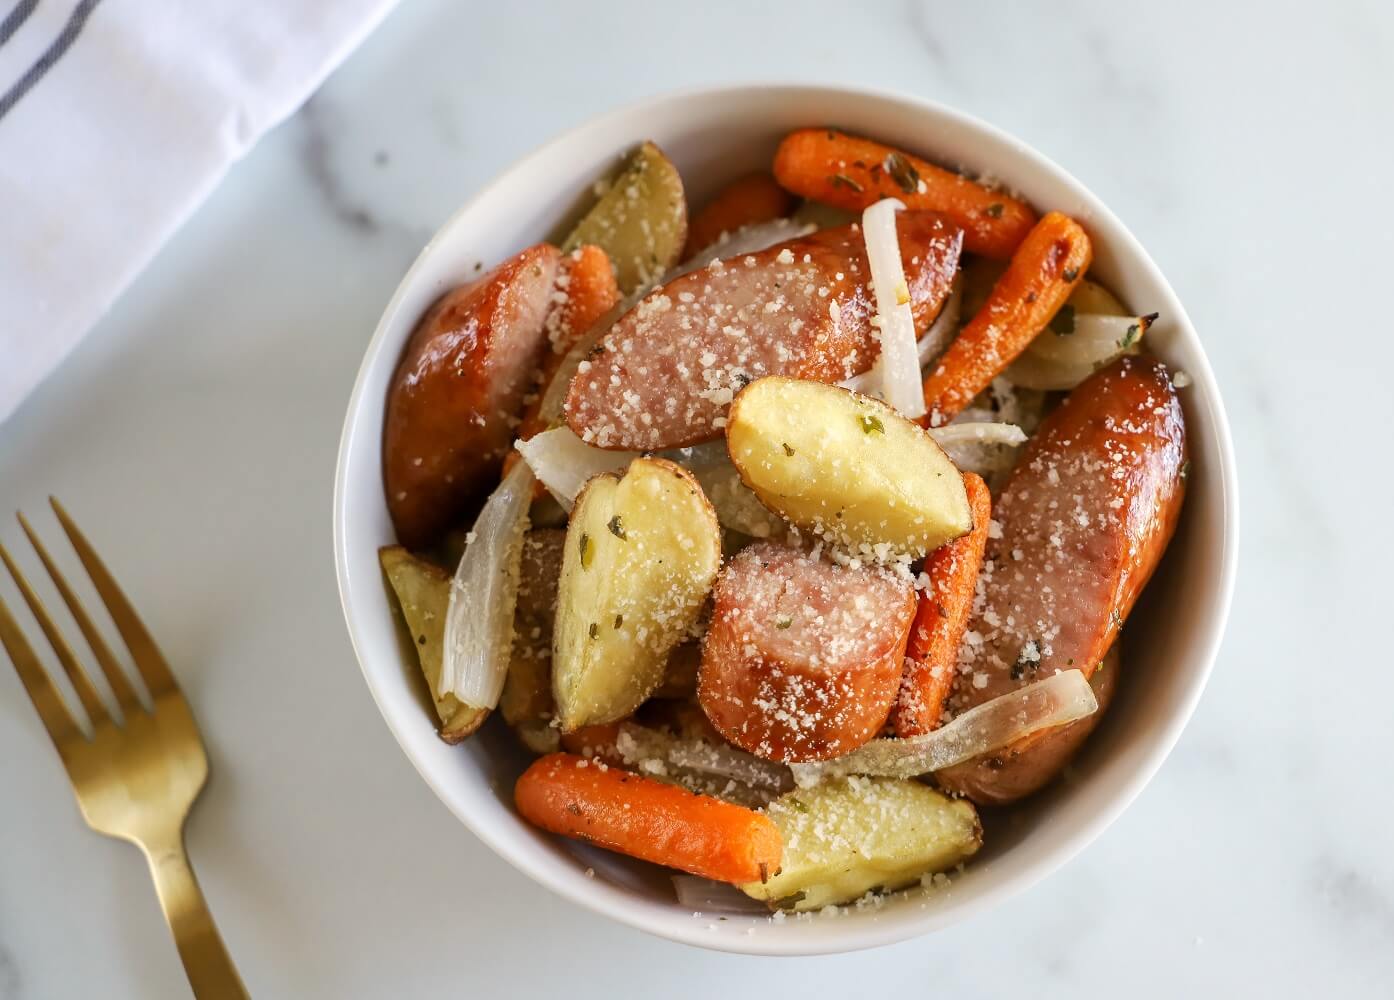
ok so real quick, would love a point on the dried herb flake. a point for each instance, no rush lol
(902, 172)
(617, 527)
(872, 424)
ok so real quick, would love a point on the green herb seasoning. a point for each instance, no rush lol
(787, 450)
(1071, 273)
(1185, 470)
(617, 527)
(842, 180)
(587, 551)
(995, 209)
(594, 631)
(1062, 324)
(1130, 338)
(872, 424)
(902, 172)
(619, 622)
(783, 622)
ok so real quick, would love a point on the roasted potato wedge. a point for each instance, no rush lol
(640, 220)
(846, 837)
(526, 702)
(423, 594)
(846, 467)
(641, 554)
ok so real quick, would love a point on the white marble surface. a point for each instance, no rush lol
(194, 435)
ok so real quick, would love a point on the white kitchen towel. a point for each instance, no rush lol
(117, 117)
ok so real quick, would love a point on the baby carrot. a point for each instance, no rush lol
(747, 200)
(593, 741)
(647, 819)
(931, 656)
(587, 287)
(587, 290)
(852, 173)
(1036, 283)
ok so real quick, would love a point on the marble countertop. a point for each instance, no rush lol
(194, 433)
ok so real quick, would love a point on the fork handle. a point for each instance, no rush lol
(211, 972)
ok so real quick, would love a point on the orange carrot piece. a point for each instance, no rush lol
(647, 819)
(1036, 283)
(745, 201)
(851, 173)
(586, 279)
(594, 741)
(931, 656)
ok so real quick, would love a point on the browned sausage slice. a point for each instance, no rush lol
(665, 375)
(1085, 517)
(803, 658)
(456, 393)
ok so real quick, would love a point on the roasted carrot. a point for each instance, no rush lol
(852, 173)
(647, 819)
(745, 201)
(586, 290)
(1036, 283)
(593, 741)
(931, 656)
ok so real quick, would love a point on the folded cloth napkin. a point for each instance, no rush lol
(117, 117)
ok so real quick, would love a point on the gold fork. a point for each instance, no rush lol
(136, 778)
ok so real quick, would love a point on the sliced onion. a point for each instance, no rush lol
(484, 593)
(702, 895)
(564, 463)
(746, 240)
(1060, 698)
(1063, 360)
(736, 505)
(945, 326)
(938, 337)
(639, 744)
(896, 370)
(984, 448)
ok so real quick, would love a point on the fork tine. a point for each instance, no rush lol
(47, 702)
(116, 677)
(147, 656)
(86, 693)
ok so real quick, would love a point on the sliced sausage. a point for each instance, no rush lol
(457, 391)
(1084, 519)
(1018, 770)
(803, 658)
(665, 374)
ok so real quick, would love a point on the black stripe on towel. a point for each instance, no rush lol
(51, 55)
(15, 18)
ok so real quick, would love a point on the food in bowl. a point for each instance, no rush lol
(810, 542)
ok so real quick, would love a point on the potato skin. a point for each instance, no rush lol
(461, 379)
(803, 658)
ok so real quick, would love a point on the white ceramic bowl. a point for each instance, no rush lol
(715, 135)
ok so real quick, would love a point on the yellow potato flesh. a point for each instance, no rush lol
(846, 467)
(846, 837)
(641, 555)
(423, 593)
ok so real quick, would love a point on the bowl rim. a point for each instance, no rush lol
(865, 934)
